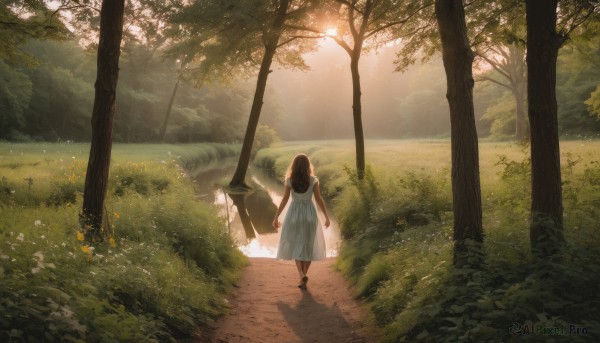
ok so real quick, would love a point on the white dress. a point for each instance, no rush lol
(301, 233)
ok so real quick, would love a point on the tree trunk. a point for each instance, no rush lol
(271, 43)
(109, 49)
(357, 114)
(543, 42)
(458, 60)
(163, 129)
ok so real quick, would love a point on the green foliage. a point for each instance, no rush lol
(577, 77)
(21, 20)
(15, 90)
(593, 102)
(264, 138)
(502, 117)
(52, 100)
(399, 257)
(160, 275)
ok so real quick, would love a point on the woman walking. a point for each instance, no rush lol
(301, 235)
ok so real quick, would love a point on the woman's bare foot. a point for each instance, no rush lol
(303, 281)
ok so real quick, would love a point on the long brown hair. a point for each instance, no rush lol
(299, 173)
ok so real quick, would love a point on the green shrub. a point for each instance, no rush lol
(398, 247)
(159, 276)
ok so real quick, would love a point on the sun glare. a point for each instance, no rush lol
(331, 32)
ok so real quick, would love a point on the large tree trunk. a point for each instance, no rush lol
(543, 42)
(458, 60)
(272, 41)
(357, 114)
(109, 49)
(163, 129)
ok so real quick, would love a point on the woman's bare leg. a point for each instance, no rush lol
(305, 265)
(300, 266)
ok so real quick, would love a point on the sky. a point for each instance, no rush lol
(317, 104)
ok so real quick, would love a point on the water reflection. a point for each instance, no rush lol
(250, 215)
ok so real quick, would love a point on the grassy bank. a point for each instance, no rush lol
(398, 242)
(161, 273)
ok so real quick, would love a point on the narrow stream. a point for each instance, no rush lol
(250, 215)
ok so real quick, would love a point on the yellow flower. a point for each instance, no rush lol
(117, 215)
(80, 236)
(86, 249)
(112, 242)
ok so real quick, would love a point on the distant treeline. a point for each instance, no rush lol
(52, 98)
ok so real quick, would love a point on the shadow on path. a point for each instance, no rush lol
(313, 321)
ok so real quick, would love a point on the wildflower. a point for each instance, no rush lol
(38, 223)
(43, 237)
(80, 236)
(39, 255)
(112, 242)
(21, 237)
(63, 244)
(86, 249)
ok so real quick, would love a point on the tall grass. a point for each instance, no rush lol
(398, 243)
(161, 273)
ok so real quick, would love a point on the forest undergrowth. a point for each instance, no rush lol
(161, 273)
(397, 250)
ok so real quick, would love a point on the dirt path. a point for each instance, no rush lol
(269, 307)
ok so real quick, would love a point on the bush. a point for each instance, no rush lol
(160, 275)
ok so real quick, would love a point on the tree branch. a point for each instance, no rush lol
(302, 28)
(299, 37)
(343, 44)
(494, 65)
(486, 78)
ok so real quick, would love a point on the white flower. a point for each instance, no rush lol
(21, 237)
(39, 255)
(35, 270)
(43, 237)
(37, 223)
(64, 244)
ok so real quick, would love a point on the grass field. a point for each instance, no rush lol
(398, 241)
(164, 266)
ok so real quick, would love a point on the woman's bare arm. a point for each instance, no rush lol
(321, 203)
(286, 196)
